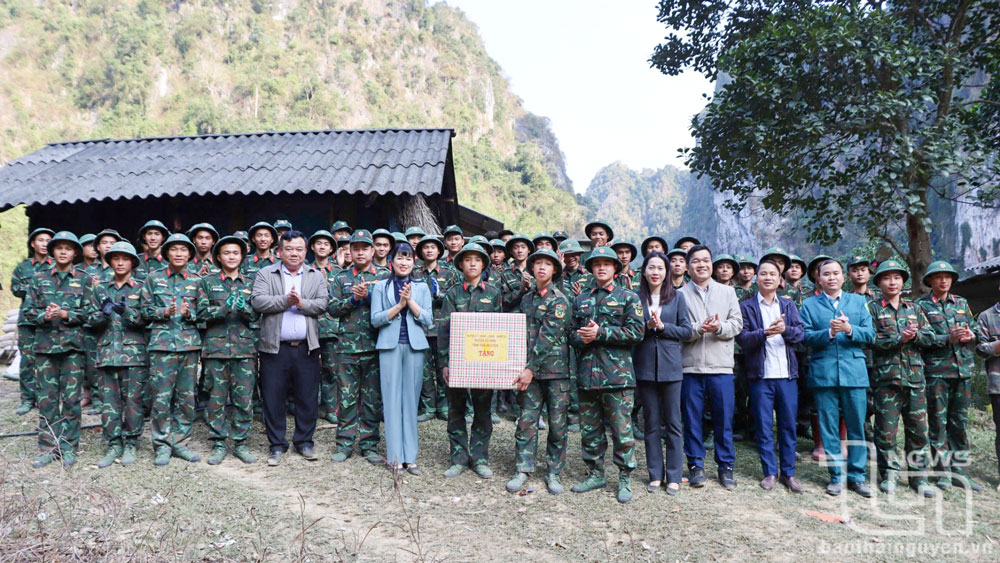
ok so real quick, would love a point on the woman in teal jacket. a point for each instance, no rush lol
(400, 310)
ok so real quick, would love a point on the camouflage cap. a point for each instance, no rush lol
(123, 247)
(519, 238)
(362, 236)
(603, 252)
(937, 267)
(891, 266)
(654, 238)
(178, 238)
(546, 253)
(599, 223)
(230, 239)
(203, 227)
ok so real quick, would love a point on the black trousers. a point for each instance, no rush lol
(292, 371)
(661, 408)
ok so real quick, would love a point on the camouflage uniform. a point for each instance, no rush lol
(174, 345)
(59, 353)
(91, 377)
(328, 333)
(254, 263)
(434, 393)
(228, 354)
(988, 337)
(899, 388)
(604, 373)
(121, 360)
(147, 265)
(511, 287)
(949, 368)
(467, 448)
(586, 281)
(873, 297)
(546, 312)
(20, 282)
(358, 372)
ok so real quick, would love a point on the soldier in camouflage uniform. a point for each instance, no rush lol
(414, 235)
(228, 350)
(357, 373)
(515, 280)
(103, 242)
(324, 247)
(678, 267)
(686, 242)
(498, 256)
(383, 245)
(724, 269)
(948, 364)
(575, 280)
(169, 304)
(626, 278)
(151, 236)
(341, 229)
(59, 301)
(204, 237)
(121, 354)
(599, 232)
(744, 286)
(859, 270)
(434, 393)
(795, 275)
(654, 243)
(607, 323)
(453, 238)
(20, 282)
(91, 393)
(901, 331)
(543, 240)
(988, 346)
(545, 379)
(264, 237)
(470, 295)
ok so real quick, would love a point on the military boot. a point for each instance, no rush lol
(24, 408)
(68, 458)
(186, 454)
(595, 480)
(128, 454)
(218, 453)
(114, 452)
(516, 482)
(242, 453)
(553, 484)
(624, 488)
(44, 460)
(162, 456)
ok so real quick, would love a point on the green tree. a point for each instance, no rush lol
(852, 113)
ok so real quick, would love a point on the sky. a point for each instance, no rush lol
(583, 64)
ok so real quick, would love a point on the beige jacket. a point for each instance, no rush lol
(711, 353)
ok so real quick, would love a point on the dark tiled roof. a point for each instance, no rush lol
(384, 161)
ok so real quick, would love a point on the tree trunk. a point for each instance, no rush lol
(919, 255)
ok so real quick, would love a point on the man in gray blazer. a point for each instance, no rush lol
(290, 295)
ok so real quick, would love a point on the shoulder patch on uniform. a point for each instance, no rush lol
(559, 310)
(638, 309)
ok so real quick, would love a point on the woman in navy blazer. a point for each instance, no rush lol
(658, 364)
(773, 385)
(400, 311)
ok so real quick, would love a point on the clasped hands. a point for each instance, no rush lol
(961, 333)
(776, 328)
(840, 324)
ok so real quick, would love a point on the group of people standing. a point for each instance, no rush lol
(359, 336)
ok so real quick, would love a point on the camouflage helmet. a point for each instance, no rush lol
(729, 258)
(571, 246)
(777, 251)
(153, 224)
(560, 236)
(628, 244)
(431, 239)
(414, 232)
(858, 261)
(322, 233)
(88, 238)
(453, 230)
(471, 248)
(687, 238)
(644, 247)
(676, 252)
(363, 236)
(814, 263)
(108, 233)
(263, 225)
(282, 224)
(480, 240)
(340, 226)
(203, 227)
(498, 244)
(35, 233)
(518, 237)
(545, 236)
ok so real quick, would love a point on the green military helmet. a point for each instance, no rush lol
(603, 252)
(480, 240)
(631, 247)
(323, 233)
(474, 249)
(498, 244)
(544, 236)
(684, 239)
(560, 236)
(571, 246)
(123, 247)
(343, 239)
(179, 238)
(230, 239)
(66, 236)
(599, 223)
(745, 260)
(859, 261)
(282, 225)
(362, 236)
(154, 224)
(453, 230)
(263, 225)
(107, 233)
(243, 235)
(203, 227)
(796, 259)
(35, 233)
(814, 263)
(546, 253)
(653, 238)
(778, 252)
(518, 237)
(399, 238)
(88, 238)
(727, 258)
(431, 239)
(414, 231)
(891, 266)
(937, 267)
(384, 233)
(676, 252)
(340, 226)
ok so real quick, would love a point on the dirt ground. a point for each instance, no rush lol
(321, 511)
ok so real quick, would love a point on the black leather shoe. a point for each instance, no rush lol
(308, 453)
(274, 458)
(696, 477)
(861, 488)
(726, 478)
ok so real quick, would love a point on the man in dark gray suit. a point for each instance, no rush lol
(290, 295)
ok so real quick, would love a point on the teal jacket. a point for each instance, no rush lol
(839, 361)
(383, 297)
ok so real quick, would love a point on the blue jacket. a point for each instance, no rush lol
(839, 361)
(752, 339)
(383, 297)
(658, 356)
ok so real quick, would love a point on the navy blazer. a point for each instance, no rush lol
(752, 338)
(658, 356)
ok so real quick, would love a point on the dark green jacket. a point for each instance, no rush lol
(72, 291)
(895, 362)
(171, 333)
(228, 332)
(942, 358)
(606, 363)
(548, 345)
(443, 278)
(463, 298)
(20, 282)
(121, 337)
(356, 333)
